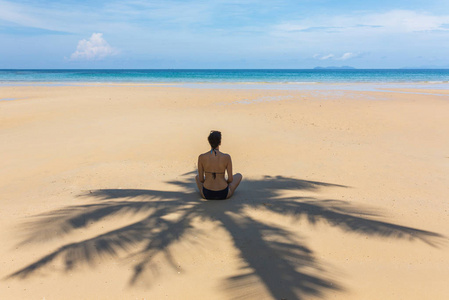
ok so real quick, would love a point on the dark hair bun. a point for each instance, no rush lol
(214, 139)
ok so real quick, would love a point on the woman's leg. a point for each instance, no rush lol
(199, 184)
(234, 184)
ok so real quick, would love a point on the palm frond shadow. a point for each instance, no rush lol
(271, 255)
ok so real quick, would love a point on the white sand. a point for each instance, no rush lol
(95, 204)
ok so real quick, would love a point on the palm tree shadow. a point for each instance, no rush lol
(277, 258)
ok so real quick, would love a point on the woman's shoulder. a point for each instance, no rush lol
(227, 156)
(203, 155)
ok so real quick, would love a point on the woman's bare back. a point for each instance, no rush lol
(214, 164)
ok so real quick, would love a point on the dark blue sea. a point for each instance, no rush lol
(226, 76)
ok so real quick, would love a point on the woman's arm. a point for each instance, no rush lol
(229, 170)
(200, 170)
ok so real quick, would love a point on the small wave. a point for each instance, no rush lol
(435, 82)
(8, 99)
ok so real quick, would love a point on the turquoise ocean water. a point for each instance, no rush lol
(421, 76)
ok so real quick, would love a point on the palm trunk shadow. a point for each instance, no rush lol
(285, 266)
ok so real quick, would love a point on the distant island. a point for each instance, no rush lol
(334, 68)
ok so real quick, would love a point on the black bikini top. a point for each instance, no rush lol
(214, 174)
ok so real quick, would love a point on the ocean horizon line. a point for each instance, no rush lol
(329, 68)
(178, 76)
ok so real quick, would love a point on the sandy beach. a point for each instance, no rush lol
(344, 193)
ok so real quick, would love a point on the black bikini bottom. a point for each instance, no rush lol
(215, 195)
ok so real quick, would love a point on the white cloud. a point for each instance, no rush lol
(393, 21)
(324, 57)
(331, 56)
(95, 48)
(347, 55)
(409, 21)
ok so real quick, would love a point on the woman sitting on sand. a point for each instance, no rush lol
(211, 172)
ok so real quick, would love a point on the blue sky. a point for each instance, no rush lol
(223, 34)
